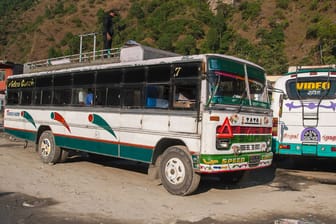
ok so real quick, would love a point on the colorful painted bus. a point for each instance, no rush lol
(183, 115)
(304, 112)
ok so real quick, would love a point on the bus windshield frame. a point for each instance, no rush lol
(236, 83)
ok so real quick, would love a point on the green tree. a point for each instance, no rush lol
(186, 46)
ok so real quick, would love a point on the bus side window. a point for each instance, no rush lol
(113, 97)
(132, 97)
(100, 97)
(185, 96)
(37, 93)
(157, 96)
(26, 97)
(12, 97)
(62, 96)
(46, 96)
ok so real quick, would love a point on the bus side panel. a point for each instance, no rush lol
(15, 124)
(89, 145)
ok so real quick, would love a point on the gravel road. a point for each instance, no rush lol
(118, 191)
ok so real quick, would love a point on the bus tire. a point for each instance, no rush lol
(176, 172)
(47, 149)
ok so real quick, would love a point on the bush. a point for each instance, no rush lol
(250, 10)
(283, 4)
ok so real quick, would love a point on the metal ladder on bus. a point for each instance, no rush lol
(310, 118)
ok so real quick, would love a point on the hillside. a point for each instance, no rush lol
(272, 33)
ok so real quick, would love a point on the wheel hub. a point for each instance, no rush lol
(45, 147)
(175, 171)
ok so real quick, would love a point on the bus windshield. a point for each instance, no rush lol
(232, 82)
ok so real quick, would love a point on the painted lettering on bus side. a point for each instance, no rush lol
(312, 85)
(329, 138)
(291, 136)
(21, 84)
(177, 71)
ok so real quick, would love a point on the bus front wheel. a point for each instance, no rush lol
(47, 149)
(176, 172)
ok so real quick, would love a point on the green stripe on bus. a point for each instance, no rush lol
(87, 145)
(105, 148)
(30, 136)
(136, 153)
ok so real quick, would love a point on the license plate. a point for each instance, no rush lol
(254, 160)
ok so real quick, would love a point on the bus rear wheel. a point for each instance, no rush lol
(176, 172)
(47, 149)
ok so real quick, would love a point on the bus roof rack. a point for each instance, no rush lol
(131, 51)
(311, 67)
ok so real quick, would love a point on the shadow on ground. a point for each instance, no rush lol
(24, 209)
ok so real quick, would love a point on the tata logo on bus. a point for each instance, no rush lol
(24, 83)
(313, 85)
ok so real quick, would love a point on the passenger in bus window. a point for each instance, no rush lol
(81, 96)
(89, 98)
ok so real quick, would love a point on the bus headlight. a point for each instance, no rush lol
(222, 143)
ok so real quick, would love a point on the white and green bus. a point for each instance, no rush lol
(304, 112)
(184, 116)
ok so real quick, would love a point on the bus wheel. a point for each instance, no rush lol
(176, 172)
(47, 149)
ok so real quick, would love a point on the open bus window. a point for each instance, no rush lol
(26, 97)
(62, 96)
(131, 97)
(113, 97)
(46, 96)
(157, 96)
(12, 97)
(79, 96)
(37, 97)
(185, 96)
(100, 96)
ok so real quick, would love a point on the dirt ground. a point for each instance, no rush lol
(117, 191)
